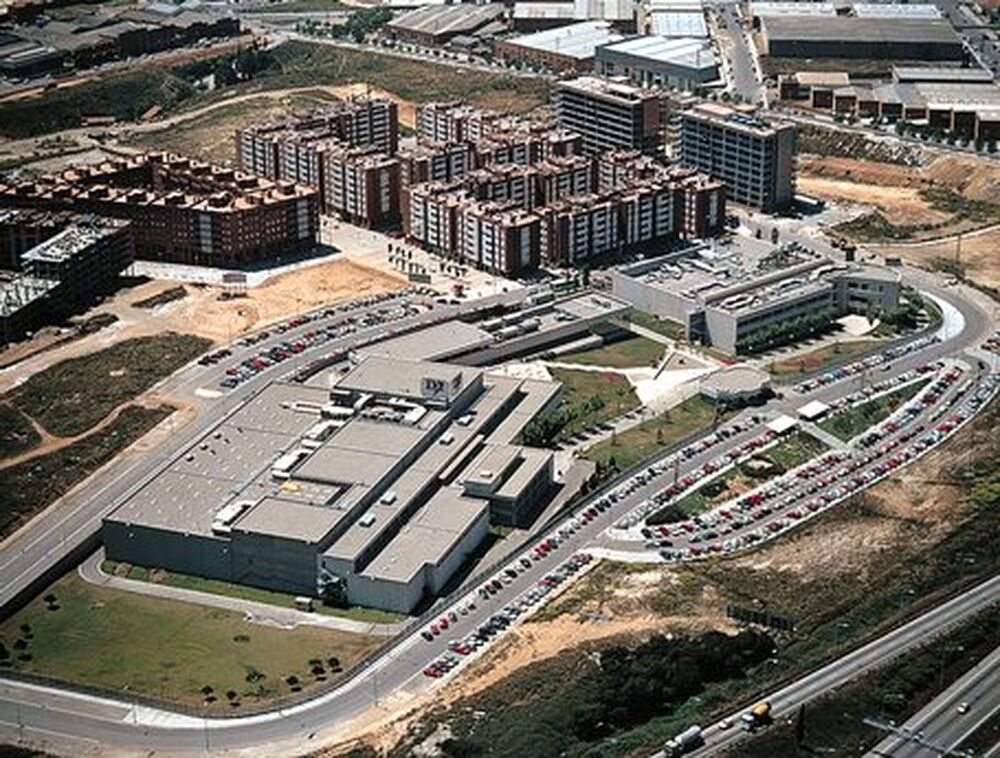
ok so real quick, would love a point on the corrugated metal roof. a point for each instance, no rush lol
(573, 41)
(893, 10)
(690, 53)
(678, 24)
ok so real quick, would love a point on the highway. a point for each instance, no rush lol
(785, 701)
(940, 727)
(69, 720)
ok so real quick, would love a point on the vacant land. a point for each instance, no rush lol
(591, 398)
(17, 435)
(645, 439)
(834, 725)
(849, 573)
(793, 451)
(852, 422)
(631, 352)
(817, 360)
(255, 594)
(292, 64)
(32, 485)
(168, 650)
(974, 255)
(76, 394)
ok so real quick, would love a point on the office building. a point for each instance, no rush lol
(754, 159)
(611, 115)
(725, 294)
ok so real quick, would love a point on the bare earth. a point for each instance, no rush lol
(900, 205)
(979, 253)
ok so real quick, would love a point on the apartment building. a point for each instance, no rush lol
(752, 157)
(183, 210)
(361, 185)
(612, 115)
(499, 237)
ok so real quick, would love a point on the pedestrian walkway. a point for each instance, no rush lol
(823, 436)
(255, 612)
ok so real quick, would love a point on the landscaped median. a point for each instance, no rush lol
(170, 651)
(851, 422)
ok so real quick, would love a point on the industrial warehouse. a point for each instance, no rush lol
(727, 293)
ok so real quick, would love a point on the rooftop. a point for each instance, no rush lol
(854, 29)
(686, 52)
(442, 20)
(678, 24)
(577, 41)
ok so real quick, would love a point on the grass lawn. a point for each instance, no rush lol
(580, 388)
(71, 396)
(217, 587)
(645, 439)
(854, 421)
(793, 451)
(824, 357)
(631, 352)
(17, 435)
(30, 486)
(167, 649)
(672, 329)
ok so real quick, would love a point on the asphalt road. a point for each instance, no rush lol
(741, 65)
(786, 701)
(939, 728)
(69, 720)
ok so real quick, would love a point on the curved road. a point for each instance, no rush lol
(69, 721)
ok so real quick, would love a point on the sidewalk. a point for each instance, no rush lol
(255, 612)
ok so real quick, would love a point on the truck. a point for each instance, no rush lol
(684, 742)
(757, 716)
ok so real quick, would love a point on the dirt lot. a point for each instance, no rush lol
(980, 255)
(899, 204)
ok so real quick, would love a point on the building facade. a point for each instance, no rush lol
(611, 115)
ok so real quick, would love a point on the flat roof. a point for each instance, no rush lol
(491, 465)
(396, 376)
(437, 342)
(532, 461)
(678, 24)
(823, 78)
(689, 53)
(813, 409)
(544, 10)
(740, 378)
(290, 519)
(782, 424)
(428, 537)
(896, 10)
(940, 74)
(770, 9)
(852, 29)
(577, 41)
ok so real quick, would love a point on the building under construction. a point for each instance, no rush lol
(184, 210)
(66, 270)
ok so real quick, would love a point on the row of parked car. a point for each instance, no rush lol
(807, 489)
(873, 361)
(504, 617)
(263, 359)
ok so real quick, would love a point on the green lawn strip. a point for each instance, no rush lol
(792, 451)
(672, 329)
(592, 397)
(255, 594)
(72, 396)
(817, 360)
(852, 422)
(17, 435)
(834, 725)
(631, 352)
(645, 439)
(169, 650)
(32, 485)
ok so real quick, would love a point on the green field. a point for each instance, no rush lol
(170, 650)
(851, 423)
(631, 352)
(228, 589)
(645, 439)
(591, 398)
(672, 329)
(17, 435)
(33, 484)
(74, 395)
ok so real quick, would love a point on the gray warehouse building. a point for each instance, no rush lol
(724, 292)
(876, 38)
(369, 487)
(685, 63)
